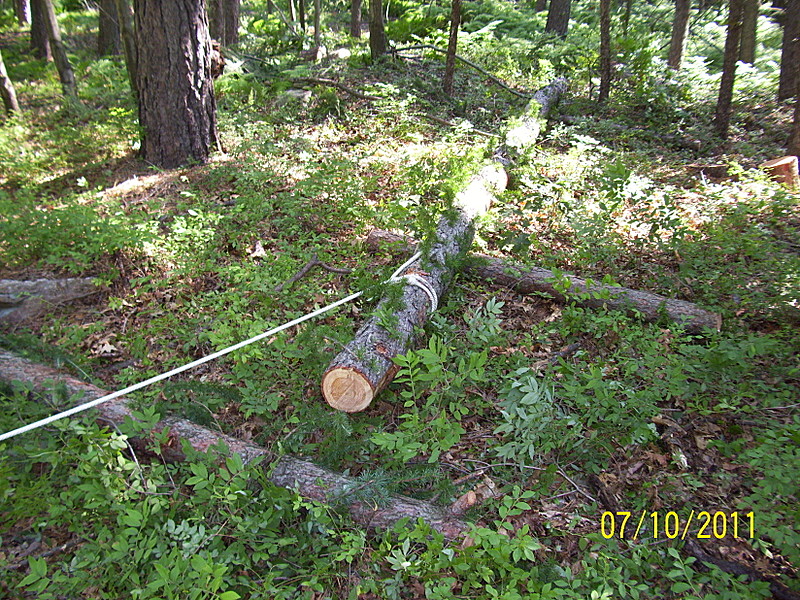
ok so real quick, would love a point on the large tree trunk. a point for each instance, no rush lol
(722, 114)
(108, 36)
(605, 50)
(366, 365)
(177, 110)
(307, 478)
(793, 146)
(452, 46)
(747, 46)
(680, 33)
(128, 37)
(790, 51)
(535, 281)
(377, 32)
(558, 17)
(22, 8)
(223, 17)
(65, 72)
(7, 89)
(40, 42)
(355, 18)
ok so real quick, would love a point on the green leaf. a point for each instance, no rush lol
(229, 595)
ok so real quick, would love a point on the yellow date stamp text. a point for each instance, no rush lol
(703, 525)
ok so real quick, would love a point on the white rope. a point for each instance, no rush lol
(196, 363)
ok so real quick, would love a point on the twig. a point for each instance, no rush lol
(313, 262)
(337, 85)
(578, 489)
(502, 84)
(15, 566)
(449, 124)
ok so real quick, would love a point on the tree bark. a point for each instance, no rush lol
(377, 31)
(747, 46)
(355, 18)
(22, 8)
(680, 33)
(301, 14)
(793, 146)
(223, 21)
(605, 50)
(65, 72)
(540, 5)
(177, 110)
(23, 300)
(722, 114)
(366, 365)
(790, 51)
(317, 24)
(558, 17)
(525, 131)
(452, 47)
(537, 281)
(9, 98)
(128, 37)
(108, 36)
(40, 42)
(307, 478)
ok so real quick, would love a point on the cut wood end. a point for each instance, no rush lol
(347, 390)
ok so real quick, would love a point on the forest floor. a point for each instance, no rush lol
(639, 418)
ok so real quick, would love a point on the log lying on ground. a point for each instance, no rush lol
(783, 170)
(366, 365)
(22, 300)
(307, 478)
(533, 280)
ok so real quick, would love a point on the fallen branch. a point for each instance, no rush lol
(454, 125)
(502, 84)
(313, 262)
(307, 478)
(22, 300)
(538, 281)
(337, 85)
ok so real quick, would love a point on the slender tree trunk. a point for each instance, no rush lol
(355, 19)
(605, 50)
(177, 110)
(292, 11)
(722, 115)
(540, 5)
(680, 33)
(558, 17)
(793, 147)
(108, 38)
(65, 72)
(452, 45)
(790, 51)
(626, 20)
(125, 20)
(223, 20)
(317, 24)
(22, 8)
(747, 47)
(301, 14)
(7, 89)
(377, 32)
(40, 43)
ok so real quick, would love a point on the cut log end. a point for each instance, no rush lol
(783, 170)
(347, 389)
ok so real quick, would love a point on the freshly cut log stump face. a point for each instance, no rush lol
(783, 170)
(351, 391)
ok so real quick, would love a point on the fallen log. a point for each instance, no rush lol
(23, 300)
(366, 365)
(308, 479)
(538, 281)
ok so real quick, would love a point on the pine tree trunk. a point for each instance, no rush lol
(223, 21)
(540, 5)
(317, 24)
(301, 14)
(605, 50)
(558, 17)
(65, 72)
(40, 42)
(125, 16)
(177, 110)
(722, 115)
(680, 33)
(7, 89)
(22, 8)
(452, 45)
(108, 38)
(377, 32)
(355, 19)
(790, 51)
(747, 47)
(793, 147)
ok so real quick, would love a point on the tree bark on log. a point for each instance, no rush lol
(534, 280)
(525, 130)
(310, 480)
(366, 365)
(22, 300)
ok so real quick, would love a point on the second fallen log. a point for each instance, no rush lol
(366, 365)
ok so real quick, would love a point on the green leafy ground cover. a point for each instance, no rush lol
(640, 417)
